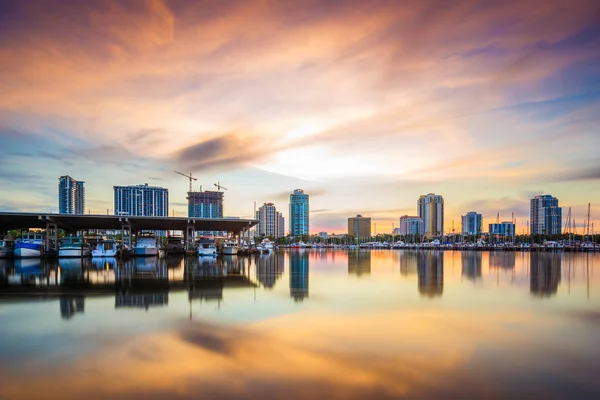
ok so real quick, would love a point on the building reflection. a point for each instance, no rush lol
(143, 300)
(471, 265)
(408, 262)
(545, 273)
(359, 262)
(431, 273)
(298, 274)
(502, 259)
(173, 261)
(269, 268)
(71, 305)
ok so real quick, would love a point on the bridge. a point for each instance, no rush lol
(125, 223)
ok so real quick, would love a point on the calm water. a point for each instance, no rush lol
(303, 325)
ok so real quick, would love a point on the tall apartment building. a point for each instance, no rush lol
(206, 204)
(141, 200)
(502, 229)
(411, 225)
(71, 196)
(359, 226)
(299, 213)
(431, 210)
(471, 223)
(545, 215)
(270, 221)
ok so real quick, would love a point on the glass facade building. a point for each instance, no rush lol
(299, 213)
(431, 210)
(207, 204)
(546, 216)
(141, 200)
(71, 196)
(471, 223)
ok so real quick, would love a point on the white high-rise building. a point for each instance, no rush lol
(431, 210)
(71, 196)
(471, 223)
(141, 200)
(270, 222)
(411, 225)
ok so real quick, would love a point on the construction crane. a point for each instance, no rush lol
(190, 177)
(218, 185)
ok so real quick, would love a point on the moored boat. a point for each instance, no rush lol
(207, 249)
(106, 248)
(29, 245)
(74, 246)
(146, 246)
(230, 248)
(6, 247)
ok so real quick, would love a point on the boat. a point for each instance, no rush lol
(106, 248)
(29, 245)
(207, 249)
(146, 246)
(266, 245)
(298, 245)
(230, 248)
(73, 246)
(6, 247)
(175, 245)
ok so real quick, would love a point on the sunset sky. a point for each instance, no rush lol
(363, 104)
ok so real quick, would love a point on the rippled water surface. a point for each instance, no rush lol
(303, 325)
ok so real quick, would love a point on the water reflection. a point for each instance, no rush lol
(431, 273)
(409, 261)
(269, 268)
(502, 259)
(545, 273)
(71, 305)
(471, 265)
(359, 262)
(298, 260)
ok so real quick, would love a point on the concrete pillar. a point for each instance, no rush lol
(51, 236)
(189, 234)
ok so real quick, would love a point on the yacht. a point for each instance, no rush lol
(6, 247)
(146, 246)
(299, 245)
(230, 248)
(207, 249)
(106, 248)
(266, 245)
(29, 245)
(74, 246)
(175, 245)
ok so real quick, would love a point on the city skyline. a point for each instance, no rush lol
(364, 105)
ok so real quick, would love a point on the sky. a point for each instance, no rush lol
(365, 105)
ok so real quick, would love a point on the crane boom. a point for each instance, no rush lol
(190, 177)
(218, 185)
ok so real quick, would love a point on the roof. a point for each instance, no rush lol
(72, 222)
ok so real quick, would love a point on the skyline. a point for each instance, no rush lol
(364, 105)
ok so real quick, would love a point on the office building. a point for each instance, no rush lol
(545, 216)
(471, 223)
(359, 226)
(506, 229)
(431, 210)
(141, 200)
(270, 222)
(71, 196)
(299, 213)
(206, 204)
(411, 225)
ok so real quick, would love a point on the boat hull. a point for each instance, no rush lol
(73, 252)
(230, 250)
(145, 251)
(25, 250)
(207, 252)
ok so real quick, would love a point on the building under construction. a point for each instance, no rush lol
(205, 204)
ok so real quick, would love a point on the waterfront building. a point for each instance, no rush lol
(323, 235)
(545, 216)
(411, 225)
(503, 229)
(359, 226)
(141, 200)
(431, 210)
(71, 196)
(270, 222)
(205, 204)
(471, 223)
(299, 209)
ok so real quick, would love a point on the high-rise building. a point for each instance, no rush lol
(270, 222)
(546, 215)
(431, 210)
(141, 200)
(206, 204)
(411, 225)
(505, 228)
(359, 226)
(299, 213)
(71, 196)
(471, 223)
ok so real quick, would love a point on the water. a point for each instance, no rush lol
(303, 325)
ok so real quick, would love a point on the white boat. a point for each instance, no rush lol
(106, 248)
(29, 245)
(74, 246)
(266, 245)
(146, 246)
(230, 248)
(6, 247)
(207, 249)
